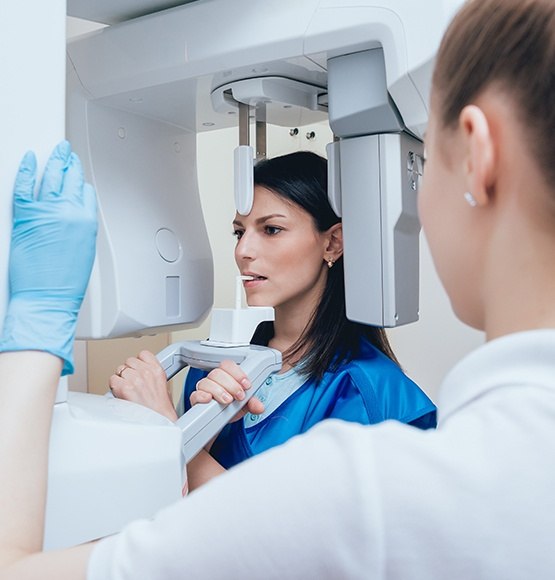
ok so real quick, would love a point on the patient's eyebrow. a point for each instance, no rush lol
(261, 220)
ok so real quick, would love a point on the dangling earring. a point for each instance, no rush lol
(330, 263)
(471, 200)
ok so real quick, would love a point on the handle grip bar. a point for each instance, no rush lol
(202, 422)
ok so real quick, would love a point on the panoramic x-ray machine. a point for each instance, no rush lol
(138, 92)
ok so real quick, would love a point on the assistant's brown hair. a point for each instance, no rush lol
(509, 43)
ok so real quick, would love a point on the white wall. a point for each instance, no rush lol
(32, 69)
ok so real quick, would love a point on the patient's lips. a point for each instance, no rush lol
(252, 279)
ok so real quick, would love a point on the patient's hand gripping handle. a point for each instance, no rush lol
(201, 423)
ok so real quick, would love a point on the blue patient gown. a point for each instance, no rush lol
(370, 389)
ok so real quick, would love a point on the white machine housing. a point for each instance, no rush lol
(142, 89)
(113, 461)
(153, 265)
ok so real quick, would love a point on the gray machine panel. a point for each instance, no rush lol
(114, 11)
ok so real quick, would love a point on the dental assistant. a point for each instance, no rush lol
(291, 244)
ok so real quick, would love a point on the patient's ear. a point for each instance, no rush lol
(334, 248)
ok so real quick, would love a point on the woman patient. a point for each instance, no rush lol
(291, 244)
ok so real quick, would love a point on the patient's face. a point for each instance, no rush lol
(279, 245)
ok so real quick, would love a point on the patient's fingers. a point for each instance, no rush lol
(225, 383)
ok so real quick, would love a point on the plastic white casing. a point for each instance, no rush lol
(160, 76)
(112, 461)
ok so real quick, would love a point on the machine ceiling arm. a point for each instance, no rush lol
(116, 11)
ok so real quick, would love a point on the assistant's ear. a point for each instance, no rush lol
(479, 151)
(334, 247)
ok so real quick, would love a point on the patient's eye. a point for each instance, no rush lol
(272, 230)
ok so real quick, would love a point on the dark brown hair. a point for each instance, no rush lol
(329, 339)
(510, 44)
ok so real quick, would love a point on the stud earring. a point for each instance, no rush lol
(470, 199)
(330, 263)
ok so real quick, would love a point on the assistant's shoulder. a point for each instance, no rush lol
(382, 384)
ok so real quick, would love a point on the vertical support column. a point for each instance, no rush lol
(244, 124)
(261, 131)
(260, 128)
(32, 100)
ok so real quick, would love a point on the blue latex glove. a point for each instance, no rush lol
(51, 255)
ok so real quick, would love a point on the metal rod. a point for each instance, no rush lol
(244, 124)
(261, 139)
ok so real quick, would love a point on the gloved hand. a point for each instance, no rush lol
(51, 255)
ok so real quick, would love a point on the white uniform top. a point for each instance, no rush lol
(473, 499)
